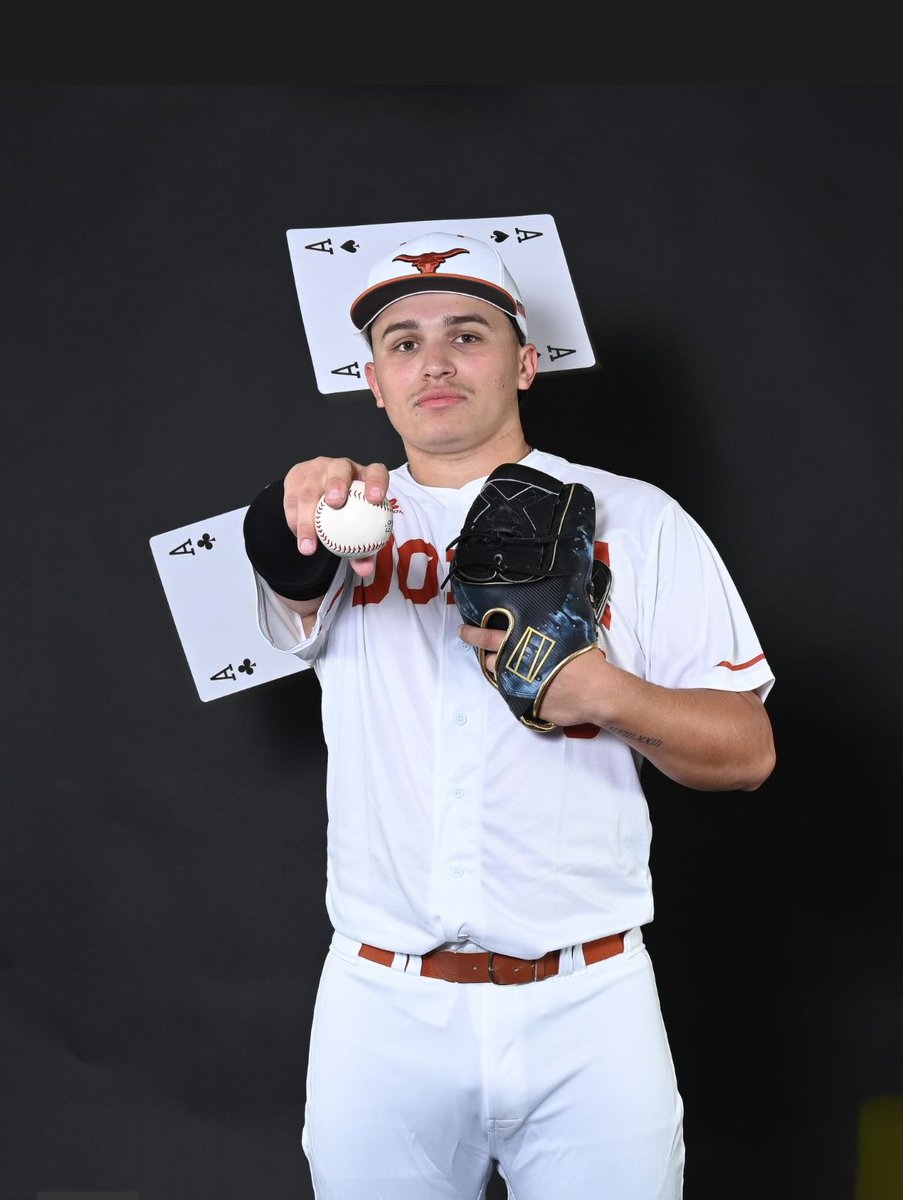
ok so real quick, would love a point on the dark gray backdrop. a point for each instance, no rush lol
(736, 253)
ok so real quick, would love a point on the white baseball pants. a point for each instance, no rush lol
(416, 1085)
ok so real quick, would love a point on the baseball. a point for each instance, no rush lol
(357, 529)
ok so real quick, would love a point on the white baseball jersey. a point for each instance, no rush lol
(450, 821)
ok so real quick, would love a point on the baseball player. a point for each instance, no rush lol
(487, 998)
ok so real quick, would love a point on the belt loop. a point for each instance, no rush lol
(633, 938)
(566, 961)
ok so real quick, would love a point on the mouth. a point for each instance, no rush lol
(439, 398)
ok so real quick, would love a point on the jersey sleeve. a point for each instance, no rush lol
(697, 630)
(281, 626)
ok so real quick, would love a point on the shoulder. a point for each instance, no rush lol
(606, 486)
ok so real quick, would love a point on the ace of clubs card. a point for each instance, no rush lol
(211, 591)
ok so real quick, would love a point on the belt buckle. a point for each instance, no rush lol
(514, 982)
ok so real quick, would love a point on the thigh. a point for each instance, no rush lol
(393, 1088)
(602, 1117)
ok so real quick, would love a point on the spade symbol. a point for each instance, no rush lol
(351, 246)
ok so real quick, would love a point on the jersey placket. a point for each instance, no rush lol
(458, 782)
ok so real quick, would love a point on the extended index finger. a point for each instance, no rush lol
(482, 638)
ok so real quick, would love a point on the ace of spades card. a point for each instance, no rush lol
(211, 591)
(331, 265)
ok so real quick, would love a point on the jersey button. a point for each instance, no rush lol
(460, 718)
(457, 872)
(458, 792)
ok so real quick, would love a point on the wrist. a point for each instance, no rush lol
(272, 550)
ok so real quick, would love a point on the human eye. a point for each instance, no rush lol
(467, 338)
(400, 345)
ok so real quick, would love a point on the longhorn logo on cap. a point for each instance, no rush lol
(429, 263)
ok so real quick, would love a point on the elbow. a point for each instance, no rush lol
(760, 767)
(757, 778)
(746, 771)
(760, 758)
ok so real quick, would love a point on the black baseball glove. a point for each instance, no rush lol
(523, 562)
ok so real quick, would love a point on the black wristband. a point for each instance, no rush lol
(272, 550)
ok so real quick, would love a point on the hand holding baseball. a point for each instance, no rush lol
(359, 528)
(330, 480)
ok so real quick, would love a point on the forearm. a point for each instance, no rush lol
(306, 609)
(299, 580)
(702, 738)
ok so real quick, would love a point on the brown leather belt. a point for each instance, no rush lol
(489, 967)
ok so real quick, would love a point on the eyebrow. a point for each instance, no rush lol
(450, 322)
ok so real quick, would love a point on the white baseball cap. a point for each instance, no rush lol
(440, 262)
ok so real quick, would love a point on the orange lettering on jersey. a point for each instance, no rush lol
(430, 586)
(378, 586)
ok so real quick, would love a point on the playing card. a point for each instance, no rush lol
(331, 265)
(209, 584)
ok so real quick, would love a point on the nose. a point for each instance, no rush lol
(437, 362)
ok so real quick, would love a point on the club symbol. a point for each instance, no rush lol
(351, 246)
(206, 541)
(246, 666)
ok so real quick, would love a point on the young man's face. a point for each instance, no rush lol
(447, 369)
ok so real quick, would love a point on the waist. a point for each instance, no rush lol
(490, 967)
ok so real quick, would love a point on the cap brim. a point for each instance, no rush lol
(371, 303)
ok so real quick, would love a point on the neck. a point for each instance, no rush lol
(453, 470)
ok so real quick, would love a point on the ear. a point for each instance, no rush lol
(528, 365)
(370, 372)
